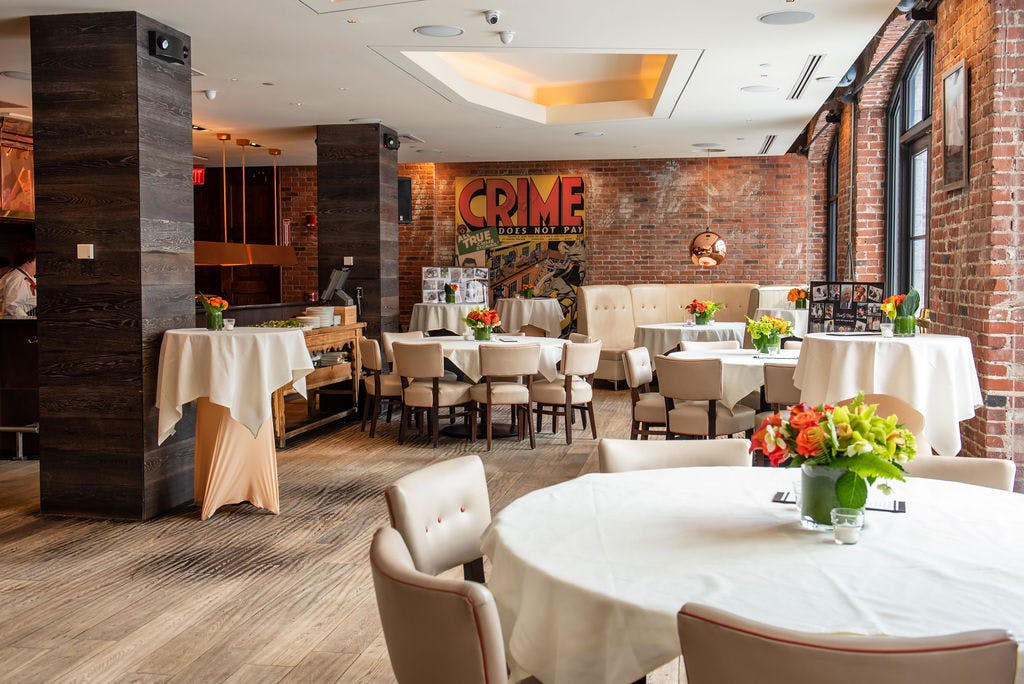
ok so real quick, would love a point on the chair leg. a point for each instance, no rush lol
(634, 430)
(435, 425)
(473, 571)
(583, 418)
(471, 421)
(451, 415)
(568, 423)
(540, 417)
(366, 414)
(593, 423)
(391, 405)
(404, 424)
(373, 416)
(554, 420)
(529, 427)
(488, 416)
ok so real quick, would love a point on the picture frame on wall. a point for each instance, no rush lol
(955, 139)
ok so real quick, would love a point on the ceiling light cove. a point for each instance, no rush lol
(558, 87)
(785, 18)
(439, 31)
(759, 89)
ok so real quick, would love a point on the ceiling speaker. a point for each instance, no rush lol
(391, 142)
(167, 47)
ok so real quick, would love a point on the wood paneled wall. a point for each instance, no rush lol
(113, 145)
(357, 209)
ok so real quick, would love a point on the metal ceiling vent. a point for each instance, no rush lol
(769, 140)
(805, 77)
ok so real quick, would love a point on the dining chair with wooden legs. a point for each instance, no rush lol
(498, 362)
(421, 368)
(692, 389)
(648, 407)
(723, 648)
(388, 340)
(627, 455)
(378, 386)
(572, 390)
(995, 473)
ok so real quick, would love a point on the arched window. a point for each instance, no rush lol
(909, 174)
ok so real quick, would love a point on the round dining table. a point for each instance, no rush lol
(427, 316)
(464, 353)
(933, 373)
(588, 575)
(742, 369)
(544, 313)
(661, 338)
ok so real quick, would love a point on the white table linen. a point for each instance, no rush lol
(660, 338)
(588, 575)
(798, 317)
(238, 369)
(742, 369)
(440, 316)
(541, 312)
(933, 373)
(465, 354)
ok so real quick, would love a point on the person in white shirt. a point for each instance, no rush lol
(18, 285)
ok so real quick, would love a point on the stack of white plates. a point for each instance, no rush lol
(311, 321)
(324, 313)
(333, 358)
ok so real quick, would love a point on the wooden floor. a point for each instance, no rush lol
(246, 596)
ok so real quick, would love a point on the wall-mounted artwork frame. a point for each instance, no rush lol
(955, 134)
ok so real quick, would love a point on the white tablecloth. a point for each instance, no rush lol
(798, 317)
(440, 316)
(465, 354)
(660, 338)
(933, 373)
(588, 575)
(742, 369)
(238, 369)
(541, 312)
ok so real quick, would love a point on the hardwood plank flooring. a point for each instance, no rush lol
(245, 596)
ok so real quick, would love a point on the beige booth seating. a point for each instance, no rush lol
(612, 312)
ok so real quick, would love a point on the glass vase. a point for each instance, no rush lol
(214, 320)
(818, 495)
(701, 319)
(527, 294)
(449, 299)
(801, 304)
(768, 344)
(482, 334)
(904, 326)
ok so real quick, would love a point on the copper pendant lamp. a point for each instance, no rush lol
(275, 254)
(222, 253)
(708, 248)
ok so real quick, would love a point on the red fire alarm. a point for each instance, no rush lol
(311, 220)
(198, 175)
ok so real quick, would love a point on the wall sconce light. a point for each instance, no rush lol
(311, 220)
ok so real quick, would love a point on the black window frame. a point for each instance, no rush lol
(832, 208)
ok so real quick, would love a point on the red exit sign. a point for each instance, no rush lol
(198, 175)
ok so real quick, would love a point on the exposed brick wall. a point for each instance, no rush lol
(642, 214)
(298, 199)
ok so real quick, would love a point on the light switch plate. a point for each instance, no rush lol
(347, 261)
(86, 251)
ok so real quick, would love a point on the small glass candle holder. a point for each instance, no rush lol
(847, 524)
(886, 328)
(229, 323)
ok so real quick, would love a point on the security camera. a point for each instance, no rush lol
(492, 16)
(507, 36)
(210, 94)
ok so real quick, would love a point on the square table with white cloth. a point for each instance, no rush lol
(588, 575)
(742, 369)
(232, 373)
(661, 338)
(540, 312)
(427, 316)
(798, 317)
(933, 373)
(465, 354)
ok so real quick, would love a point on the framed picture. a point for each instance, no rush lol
(955, 159)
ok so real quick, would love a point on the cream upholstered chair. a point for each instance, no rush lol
(605, 313)
(378, 385)
(437, 630)
(579, 337)
(622, 455)
(692, 389)
(389, 338)
(779, 390)
(692, 345)
(648, 406)
(497, 363)
(421, 368)
(570, 391)
(984, 472)
(722, 648)
(910, 417)
(441, 511)
(792, 344)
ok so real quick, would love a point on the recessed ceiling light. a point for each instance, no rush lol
(785, 18)
(707, 145)
(438, 31)
(364, 119)
(295, 104)
(351, 21)
(19, 75)
(759, 89)
(342, 88)
(824, 78)
(588, 134)
(765, 65)
(234, 78)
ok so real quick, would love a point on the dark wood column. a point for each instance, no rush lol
(113, 159)
(357, 215)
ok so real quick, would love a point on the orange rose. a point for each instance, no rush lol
(800, 420)
(809, 441)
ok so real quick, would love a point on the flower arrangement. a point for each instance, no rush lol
(703, 310)
(214, 307)
(798, 296)
(766, 333)
(449, 292)
(482, 321)
(901, 309)
(528, 292)
(854, 438)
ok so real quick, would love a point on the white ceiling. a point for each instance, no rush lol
(330, 62)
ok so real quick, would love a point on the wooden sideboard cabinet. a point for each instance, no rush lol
(334, 338)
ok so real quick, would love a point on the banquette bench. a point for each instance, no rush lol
(611, 313)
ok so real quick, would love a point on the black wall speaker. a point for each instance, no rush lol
(167, 47)
(404, 199)
(391, 142)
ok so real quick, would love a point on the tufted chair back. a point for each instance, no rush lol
(624, 455)
(650, 304)
(690, 379)
(722, 648)
(639, 370)
(437, 630)
(509, 360)
(369, 354)
(606, 314)
(441, 511)
(581, 358)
